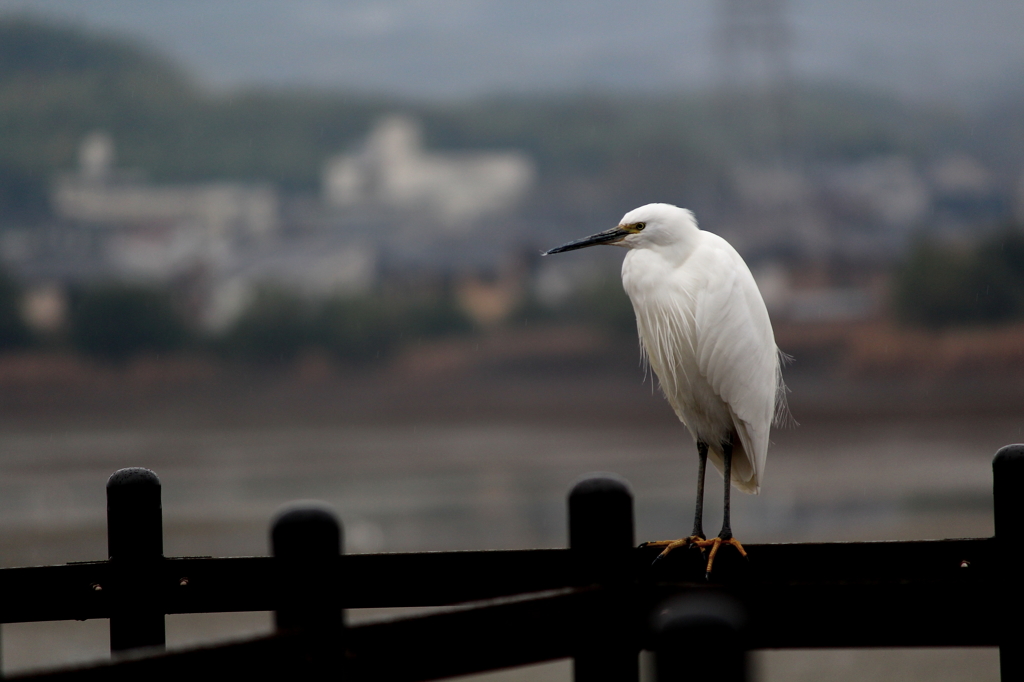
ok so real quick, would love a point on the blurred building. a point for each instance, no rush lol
(390, 209)
(159, 230)
(156, 231)
(490, 299)
(317, 264)
(821, 297)
(45, 308)
(213, 243)
(966, 192)
(97, 193)
(887, 191)
(392, 171)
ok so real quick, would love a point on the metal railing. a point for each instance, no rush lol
(600, 602)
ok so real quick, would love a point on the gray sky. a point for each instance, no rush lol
(961, 49)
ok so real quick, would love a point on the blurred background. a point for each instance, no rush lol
(291, 250)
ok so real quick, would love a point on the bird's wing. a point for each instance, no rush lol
(736, 352)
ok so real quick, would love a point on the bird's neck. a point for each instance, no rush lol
(674, 253)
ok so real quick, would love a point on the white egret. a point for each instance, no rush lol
(705, 331)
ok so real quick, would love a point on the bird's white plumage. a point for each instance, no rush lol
(706, 333)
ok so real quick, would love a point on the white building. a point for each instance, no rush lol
(97, 193)
(393, 172)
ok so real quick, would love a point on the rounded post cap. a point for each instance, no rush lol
(702, 612)
(307, 528)
(710, 623)
(601, 513)
(1009, 455)
(600, 483)
(133, 476)
(133, 488)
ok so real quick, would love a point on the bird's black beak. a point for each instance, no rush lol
(616, 234)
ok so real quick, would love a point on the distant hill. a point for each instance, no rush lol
(29, 47)
(56, 84)
(964, 51)
(595, 152)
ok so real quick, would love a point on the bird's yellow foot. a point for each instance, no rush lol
(669, 545)
(715, 544)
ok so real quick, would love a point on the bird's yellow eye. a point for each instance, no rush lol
(640, 226)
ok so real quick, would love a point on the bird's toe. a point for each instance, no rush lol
(669, 545)
(716, 544)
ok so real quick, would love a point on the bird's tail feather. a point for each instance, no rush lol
(782, 418)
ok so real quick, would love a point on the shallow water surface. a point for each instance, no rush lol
(413, 488)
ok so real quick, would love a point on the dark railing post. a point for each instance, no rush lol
(1008, 481)
(699, 637)
(135, 545)
(601, 537)
(306, 538)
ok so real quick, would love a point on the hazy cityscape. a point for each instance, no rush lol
(319, 275)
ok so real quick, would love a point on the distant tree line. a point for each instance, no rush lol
(279, 324)
(600, 303)
(115, 322)
(14, 333)
(943, 285)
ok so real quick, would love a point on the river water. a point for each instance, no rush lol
(491, 486)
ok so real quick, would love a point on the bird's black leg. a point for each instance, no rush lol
(726, 532)
(698, 516)
(725, 535)
(698, 536)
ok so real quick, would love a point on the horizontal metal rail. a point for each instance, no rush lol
(812, 592)
(534, 628)
(457, 641)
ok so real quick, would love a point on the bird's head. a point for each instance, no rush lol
(650, 226)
